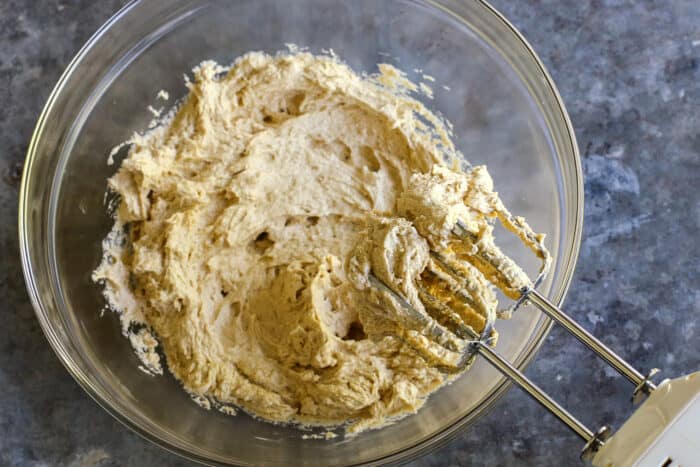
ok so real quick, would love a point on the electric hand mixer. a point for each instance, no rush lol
(664, 430)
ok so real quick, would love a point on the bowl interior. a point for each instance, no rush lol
(487, 83)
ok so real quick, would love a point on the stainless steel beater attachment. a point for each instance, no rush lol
(441, 324)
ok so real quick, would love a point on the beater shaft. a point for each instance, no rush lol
(507, 369)
(575, 329)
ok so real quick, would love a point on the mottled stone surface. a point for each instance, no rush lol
(628, 72)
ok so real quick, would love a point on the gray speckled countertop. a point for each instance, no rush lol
(630, 76)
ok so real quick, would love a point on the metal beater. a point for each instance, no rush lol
(664, 430)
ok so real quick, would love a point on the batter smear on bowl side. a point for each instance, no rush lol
(249, 222)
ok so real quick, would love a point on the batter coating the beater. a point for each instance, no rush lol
(248, 224)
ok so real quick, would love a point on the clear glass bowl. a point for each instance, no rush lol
(506, 113)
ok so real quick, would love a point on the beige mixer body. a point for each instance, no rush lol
(663, 432)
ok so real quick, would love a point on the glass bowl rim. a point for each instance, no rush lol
(438, 438)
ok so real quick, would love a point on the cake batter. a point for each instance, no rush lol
(248, 224)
